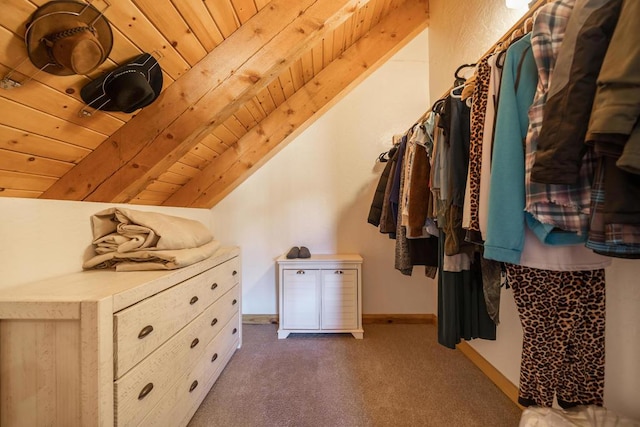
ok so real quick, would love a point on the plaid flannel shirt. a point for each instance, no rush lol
(565, 207)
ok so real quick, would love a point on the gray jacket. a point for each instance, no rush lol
(616, 108)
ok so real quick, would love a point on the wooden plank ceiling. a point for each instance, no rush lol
(241, 79)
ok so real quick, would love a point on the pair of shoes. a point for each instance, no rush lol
(298, 252)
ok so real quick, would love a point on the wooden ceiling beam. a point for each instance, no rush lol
(233, 166)
(208, 94)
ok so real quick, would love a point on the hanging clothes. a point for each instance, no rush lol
(418, 195)
(558, 289)
(496, 63)
(387, 224)
(410, 252)
(572, 89)
(614, 129)
(375, 211)
(607, 238)
(616, 108)
(563, 323)
(558, 209)
(509, 233)
(478, 118)
(506, 226)
(462, 313)
(458, 140)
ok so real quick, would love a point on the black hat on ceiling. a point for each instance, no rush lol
(127, 88)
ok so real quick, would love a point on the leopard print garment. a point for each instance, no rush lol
(563, 321)
(478, 112)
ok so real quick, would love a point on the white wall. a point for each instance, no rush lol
(317, 192)
(460, 32)
(48, 238)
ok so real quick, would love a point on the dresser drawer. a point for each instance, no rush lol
(140, 389)
(177, 406)
(140, 329)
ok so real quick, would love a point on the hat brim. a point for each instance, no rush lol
(94, 93)
(57, 15)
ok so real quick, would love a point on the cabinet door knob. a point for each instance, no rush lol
(193, 386)
(193, 300)
(234, 302)
(338, 272)
(234, 273)
(194, 342)
(214, 321)
(300, 272)
(214, 357)
(145, 390)
(145, 331)
(235, 330)
(214, 286)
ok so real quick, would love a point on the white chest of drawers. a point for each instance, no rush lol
(101, 348)
(320, 294)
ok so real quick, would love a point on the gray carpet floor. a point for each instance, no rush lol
(398, 375)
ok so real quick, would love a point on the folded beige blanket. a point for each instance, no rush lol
(127, 229)
(153, 260)
(137, 240)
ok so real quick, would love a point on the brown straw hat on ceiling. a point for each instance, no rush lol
(68, 37)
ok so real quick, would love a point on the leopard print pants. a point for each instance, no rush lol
(563, 321)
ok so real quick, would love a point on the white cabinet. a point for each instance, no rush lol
(105, 348)
(320, 294)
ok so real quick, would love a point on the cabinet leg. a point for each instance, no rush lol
(283, 334)
(358, 335)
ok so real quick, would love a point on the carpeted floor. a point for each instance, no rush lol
(396, 376)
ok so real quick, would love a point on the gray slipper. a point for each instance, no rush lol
(304, 252)
(294, 252)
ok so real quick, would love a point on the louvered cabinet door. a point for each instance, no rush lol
(339, 299)
(301, 299)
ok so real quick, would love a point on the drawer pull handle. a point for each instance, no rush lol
(234, 302)
(194, 342)
(214, 321)
(300, 272)
(215, 356)
(214, 286)
(338, 272)
(193, 300)
(145, 331)
(145, 390)
(234, 273)
(235, 330)
(193, 386)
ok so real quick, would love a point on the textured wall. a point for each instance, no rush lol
(461, 31)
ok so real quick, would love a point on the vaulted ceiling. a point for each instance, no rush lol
(241, 79)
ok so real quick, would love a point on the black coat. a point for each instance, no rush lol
(378, 198)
